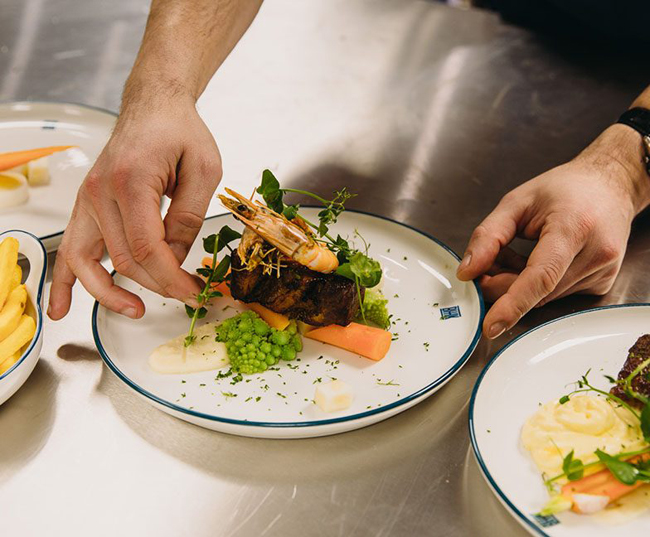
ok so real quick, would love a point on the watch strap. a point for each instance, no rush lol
(639, 120)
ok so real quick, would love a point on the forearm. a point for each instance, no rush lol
(185, 42)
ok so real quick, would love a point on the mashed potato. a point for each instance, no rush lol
(584, 424)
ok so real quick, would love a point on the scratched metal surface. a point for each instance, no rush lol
(430, 114)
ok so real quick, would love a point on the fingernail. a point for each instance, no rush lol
(191, 302)
(465, 262)
(496, 330)
(130, 312)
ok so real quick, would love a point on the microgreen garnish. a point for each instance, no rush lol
(574, 469)
(216, 273)
(389, 383)
(625, 467)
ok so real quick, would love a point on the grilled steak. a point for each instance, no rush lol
(639, 353)
(299, 293)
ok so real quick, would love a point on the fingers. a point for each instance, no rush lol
(547, 265)
(197, 181)
(63, 279)
(488, 239)
(593, 270)
(118, 248)
(80, 257)
(99, 283)
(494, 287)
(139, 206)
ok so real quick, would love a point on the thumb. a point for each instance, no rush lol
(198, 178)
(489, 238)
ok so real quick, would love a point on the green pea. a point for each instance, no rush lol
(260, 327)
(280, 338)
(288, 353)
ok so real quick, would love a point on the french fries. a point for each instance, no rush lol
(16, 327)
(17, 277)
(15, 341)
(8, 260)
(12, 312)
(4, 366)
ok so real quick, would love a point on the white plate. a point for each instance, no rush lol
(419, 269)
(32, 249)
(27, 125)
(538, 367)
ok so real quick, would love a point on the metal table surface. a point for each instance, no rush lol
(431, 114)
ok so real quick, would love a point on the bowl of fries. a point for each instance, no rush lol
(21, 309)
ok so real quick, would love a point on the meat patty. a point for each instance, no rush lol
(299, 293)
(639, 353)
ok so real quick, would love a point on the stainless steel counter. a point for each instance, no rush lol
(431, 114)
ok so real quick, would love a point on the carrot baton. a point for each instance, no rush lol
(17, 158)
(367, 341)
(602, 483)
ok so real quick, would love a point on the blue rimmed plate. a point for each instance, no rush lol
(32, 249)
(437, 326)
(27, 125)
(537, 367)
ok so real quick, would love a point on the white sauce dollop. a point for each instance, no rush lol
(203, 355)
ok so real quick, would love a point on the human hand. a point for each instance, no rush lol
(579, 213)
(157, 148)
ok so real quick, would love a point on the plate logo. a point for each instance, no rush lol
(546, 521)
(449, 313)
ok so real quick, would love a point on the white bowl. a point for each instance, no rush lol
(32, 249)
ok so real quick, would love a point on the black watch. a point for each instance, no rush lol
(639, 120)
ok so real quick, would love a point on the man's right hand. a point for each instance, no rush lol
(161, 148)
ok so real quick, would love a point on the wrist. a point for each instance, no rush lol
(147, 93)
(618, 154)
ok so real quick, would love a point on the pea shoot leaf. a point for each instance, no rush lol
(226, 236)
(573, 468)
(645, 422)
(209, 242)
(222, 269)
(291, 211)
(342, 249)
(563, 400)
(271, 191)
(625, 472)
(362, 268)
(345, 270)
